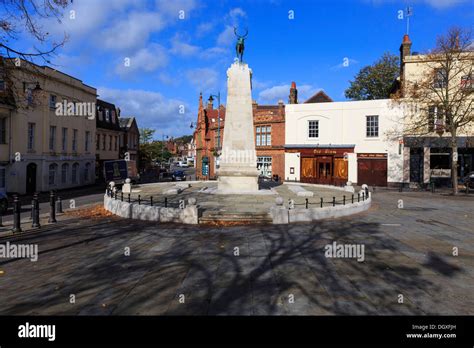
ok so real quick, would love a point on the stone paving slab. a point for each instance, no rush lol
(407, 251)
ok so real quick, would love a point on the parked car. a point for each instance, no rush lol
(183, 164)
(468, 180)
(178, 175)
(3, 202)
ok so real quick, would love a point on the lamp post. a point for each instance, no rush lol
(218, 96)
(163, 136)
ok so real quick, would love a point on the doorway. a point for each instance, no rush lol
(31, 178)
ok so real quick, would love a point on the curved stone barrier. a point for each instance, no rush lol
(283, 215)
(186, 215)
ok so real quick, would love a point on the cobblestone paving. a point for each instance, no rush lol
(407, 251)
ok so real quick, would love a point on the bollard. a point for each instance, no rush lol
(432, 187)
(352, 198)
(306, 203)
(52, 207)
(400, 189)
(363, 196)
(32, 209)
(334, 201)
(166, 202)
(121, 196)
(321, 202)
(343, 200)
(358, 197)
(151, 201)
(59, 205)
(139, 199)
(16, 214)
(129, 198)
(36, 222)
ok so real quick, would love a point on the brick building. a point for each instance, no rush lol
(269, 130)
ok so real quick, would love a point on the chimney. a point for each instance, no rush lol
(293, 99)
(405, 51)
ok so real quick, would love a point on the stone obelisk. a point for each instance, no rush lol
(238, 163)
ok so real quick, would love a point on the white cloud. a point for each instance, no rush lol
(236, 13)
(281, 92)
(171, 8)
(133, 32)
(226, 37)
(203, 79)
(181, 48)
(145, 60)
(204, 28)
(152, 110)
(438, 4)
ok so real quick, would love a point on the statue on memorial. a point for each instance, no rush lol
(239, 47)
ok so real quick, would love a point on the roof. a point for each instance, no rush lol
(319, 97)
(126, 122)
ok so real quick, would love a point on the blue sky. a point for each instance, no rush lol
(172, 59)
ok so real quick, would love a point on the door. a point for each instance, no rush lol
(416, 165)
(307, 169)
(372, 172)
(31, 178)
(324, 170)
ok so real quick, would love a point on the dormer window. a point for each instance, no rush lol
(107, 115)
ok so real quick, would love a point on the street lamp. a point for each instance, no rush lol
(218, 96)
(163, 148)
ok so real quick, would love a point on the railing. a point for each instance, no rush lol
(332, 203)
(147, 200)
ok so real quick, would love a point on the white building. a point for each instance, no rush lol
(335, 142)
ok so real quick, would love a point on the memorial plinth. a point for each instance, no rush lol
(238, 162)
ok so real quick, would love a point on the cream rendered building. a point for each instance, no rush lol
(427, 157)
(40, 150)
(335, 142)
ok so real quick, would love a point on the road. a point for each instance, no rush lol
(77, 196)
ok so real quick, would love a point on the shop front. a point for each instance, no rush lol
(325, 166)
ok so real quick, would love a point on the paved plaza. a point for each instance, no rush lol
(252, 270)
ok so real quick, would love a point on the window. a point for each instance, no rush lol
(52, 138)
(64, 173)
(28, 93)
(31, 136)
(264, 166)
(64, 139)
(75, 169)
(53, 168)
(264, 135)
(436, 118)
(3, 130)
(113, 116)
(87, 141)
(466, 82)
(52, 101)
(97, 142)
(74, 140)
(87, 171)
(107, 115)
(441, 78)
(372, 126)
(103, 141)
(3, 177)
(313, 129)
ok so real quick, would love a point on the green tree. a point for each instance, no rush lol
(375, 81)
(146, 135)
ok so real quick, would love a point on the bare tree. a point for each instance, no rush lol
(439, 98)
(21, 18)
